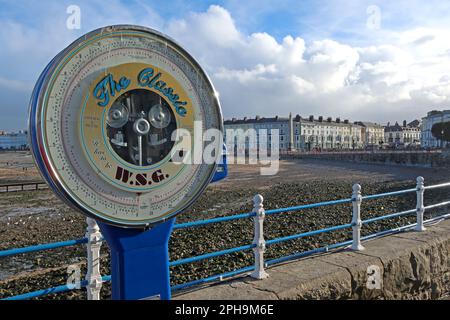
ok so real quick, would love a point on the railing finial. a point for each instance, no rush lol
(258, 200)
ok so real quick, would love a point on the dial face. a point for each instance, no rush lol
(105, 123)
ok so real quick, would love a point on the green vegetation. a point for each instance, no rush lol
(441, 131)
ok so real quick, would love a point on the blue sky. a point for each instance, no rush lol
(364, 60)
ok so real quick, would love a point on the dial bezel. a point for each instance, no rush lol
(37, 141)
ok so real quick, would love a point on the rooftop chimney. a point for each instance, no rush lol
(346, 121)
(404, 123)
(338, 120)
(311, 118)
(329, 119)
(320, 118)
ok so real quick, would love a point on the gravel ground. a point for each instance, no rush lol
(17, 166)
(33, 217)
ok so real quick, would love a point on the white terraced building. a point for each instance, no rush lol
(260, 125)
(433, 117)
(372, 133)
(403, 135)
(303, 134)
(326, 134)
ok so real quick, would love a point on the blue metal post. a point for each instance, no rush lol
(139, 261)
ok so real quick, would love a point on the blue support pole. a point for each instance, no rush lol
(139, 261)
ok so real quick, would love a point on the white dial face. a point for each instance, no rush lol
(105, 119)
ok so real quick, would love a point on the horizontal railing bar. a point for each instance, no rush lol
(44, 292)
(404, 228)
(307, 234)
(442, 217)
(388, 216)
(388, 194)
(390, 231)
(212, 278)
(308, 206)
(211, 255)
(437, 205)
(214, 220)
(58, 289)
(441, 185)
(40, 247)
(307, 253)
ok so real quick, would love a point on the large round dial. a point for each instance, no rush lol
(109, 115)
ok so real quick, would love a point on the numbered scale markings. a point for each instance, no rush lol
(105, 122)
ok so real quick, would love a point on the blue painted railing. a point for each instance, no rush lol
(84, 283)
(41, 247)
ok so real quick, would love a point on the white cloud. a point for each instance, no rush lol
(401, 74)
(256, 74)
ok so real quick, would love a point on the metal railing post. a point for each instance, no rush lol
(93, 276)
(420, 209)
(356, 220)
(258, 240)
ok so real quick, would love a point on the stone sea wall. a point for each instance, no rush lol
(420, 159)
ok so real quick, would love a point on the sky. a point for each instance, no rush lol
(380, 61)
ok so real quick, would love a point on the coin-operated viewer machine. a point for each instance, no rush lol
(115, 120)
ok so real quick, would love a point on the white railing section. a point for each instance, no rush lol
(93, 275)
(420, 207)
(356, 219)
(258, 241)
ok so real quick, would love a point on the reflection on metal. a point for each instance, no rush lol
(117, 115)
(159, 116)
